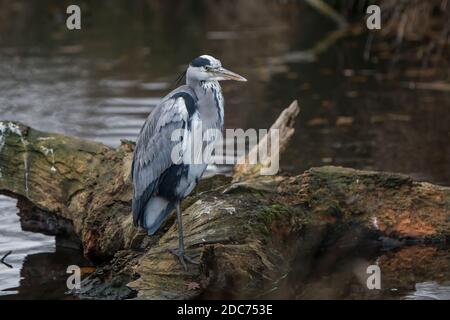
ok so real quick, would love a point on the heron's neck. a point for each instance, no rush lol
(210, 102)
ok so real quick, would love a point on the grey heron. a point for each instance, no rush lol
(159, 183)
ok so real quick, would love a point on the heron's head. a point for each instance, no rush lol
(207, 68)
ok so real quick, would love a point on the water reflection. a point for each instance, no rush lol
(43, 275)
(430, 291)
(339, 271)
(21, 243)
(36, 268)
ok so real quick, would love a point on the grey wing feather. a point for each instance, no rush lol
(152, 155)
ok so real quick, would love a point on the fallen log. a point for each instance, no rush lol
(255, 234)
(66, 185)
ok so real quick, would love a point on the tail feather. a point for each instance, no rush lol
(156, 211)
(139, 203)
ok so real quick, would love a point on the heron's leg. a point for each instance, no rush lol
(181, 253)
(180, 230)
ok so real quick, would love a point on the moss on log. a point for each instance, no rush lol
(250, 232)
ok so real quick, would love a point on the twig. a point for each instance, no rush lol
(311, 54)
(328, 11)
(285, 125)
(436, 86)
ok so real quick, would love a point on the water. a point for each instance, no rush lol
(36, 268)
(430, 291)
(101, 82)
(22, 243)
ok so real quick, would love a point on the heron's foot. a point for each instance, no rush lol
(184, 258)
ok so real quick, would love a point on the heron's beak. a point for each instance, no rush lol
(225, 74)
